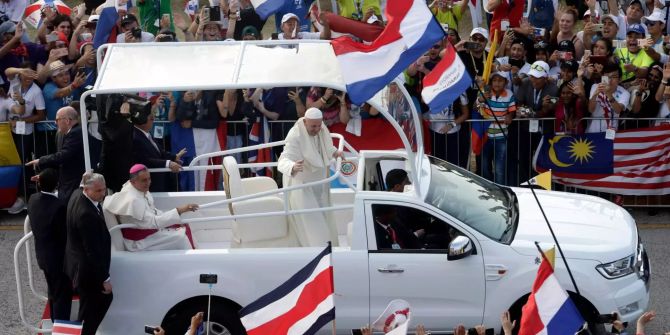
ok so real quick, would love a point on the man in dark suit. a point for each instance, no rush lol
(47, 221)
(88, 253)
(147, 152)
(69, 159)
(391, 233)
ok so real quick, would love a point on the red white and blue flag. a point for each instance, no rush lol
(446, 82)
(411, 30)
(265, 8)
(301, 305)
(259, 134)
(106, 30)
(62, 327)
(549, 310)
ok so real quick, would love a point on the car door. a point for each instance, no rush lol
(442, 293)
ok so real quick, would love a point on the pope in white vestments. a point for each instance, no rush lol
(306, 158)
(135, 205)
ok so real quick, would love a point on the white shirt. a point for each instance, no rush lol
(440, 119)
(14, 9)
(146, 37)
(522, 71)
(33, 98)
(622, 96)
(623, 27)
(303, 35)
(664, 112)
(5, 105)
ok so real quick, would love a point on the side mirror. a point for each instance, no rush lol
(460, 247)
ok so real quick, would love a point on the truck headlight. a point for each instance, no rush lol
(619, 268)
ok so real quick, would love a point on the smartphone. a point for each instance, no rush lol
(565, 55)
(150, 329)
(605, 80)
(504, 25)
(208, 278)
(52, 38)
(81, 71)
(598, 27)
(471, 45)
(60, 52)
(553, 100)
(16, 89)
(214, 13)
(539, 32)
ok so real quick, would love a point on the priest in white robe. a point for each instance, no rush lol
(135, 205)
(306, 158)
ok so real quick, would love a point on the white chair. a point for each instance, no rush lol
(117, 237)
(261, 232)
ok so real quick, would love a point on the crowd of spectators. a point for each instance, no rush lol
(562, 62)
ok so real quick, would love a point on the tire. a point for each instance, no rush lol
(224, 318)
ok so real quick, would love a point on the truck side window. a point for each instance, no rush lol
(400, 227)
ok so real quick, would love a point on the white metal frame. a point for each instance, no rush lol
(109, 49)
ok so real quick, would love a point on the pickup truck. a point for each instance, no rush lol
(481, 259)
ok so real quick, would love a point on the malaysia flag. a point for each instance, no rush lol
(411, 30)
(446, 82)
(62, 327)
(549, 310)
(301, 305)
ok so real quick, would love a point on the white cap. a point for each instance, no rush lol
(93, 18)
(656, 16)
(289, 16)
(611, 17)
(481, 31)
(539, 69)
(313, 114)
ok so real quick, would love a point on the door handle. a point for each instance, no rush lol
(391, 270)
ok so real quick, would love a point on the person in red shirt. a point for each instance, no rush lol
(505, 13)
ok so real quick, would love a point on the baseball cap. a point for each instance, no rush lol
(7, 27)
(636, 2)
(611, 17)
(501, 74)
(541, 46)
(128, 18)
(251, 30)
(635, 28)
(480, 31)
(570, 64)
(566, 45)
(656, 16)
(93, 18)
(539, 69)
(289, 16)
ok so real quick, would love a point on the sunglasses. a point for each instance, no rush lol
(478, 39)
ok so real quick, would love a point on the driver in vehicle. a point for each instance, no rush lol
(157, 230)
(391, 233)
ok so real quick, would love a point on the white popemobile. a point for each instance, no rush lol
(482, 264)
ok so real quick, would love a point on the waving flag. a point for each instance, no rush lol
(446, 82)
(61, 327)
(301, 305)
(265, 8)
(475, 12)
(634, 163)
(10, 167)
(105, 30)
(411, 30)
(549, 310)
(260, 133)
(395, 318)
(478, 134)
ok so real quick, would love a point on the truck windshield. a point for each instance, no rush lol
(485, 206)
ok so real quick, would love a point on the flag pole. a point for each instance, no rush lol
(558, 246)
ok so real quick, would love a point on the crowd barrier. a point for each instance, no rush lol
(523, 137)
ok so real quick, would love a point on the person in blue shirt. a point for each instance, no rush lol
(60, 92)
(297, 7)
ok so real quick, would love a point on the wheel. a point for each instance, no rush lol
(224, 318)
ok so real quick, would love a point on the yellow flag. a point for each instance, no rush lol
(542, 180)
(489, 59)
(8, 153)
(551, 256)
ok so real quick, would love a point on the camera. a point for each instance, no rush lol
(213, 12)
(471, 45)
(166, 38)
(598, 27)
(565, 55)
(136, 32)
(150, 329)
(208, 278)
(607, 318)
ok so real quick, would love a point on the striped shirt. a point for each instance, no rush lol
(500, 106)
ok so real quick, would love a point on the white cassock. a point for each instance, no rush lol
(312, 229)
(135, 207)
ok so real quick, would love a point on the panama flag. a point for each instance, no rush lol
(549, 310)
(265, 8)
(61, 327)
(301, 305)
(446, 82)
(411, 30)
(105, 30)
